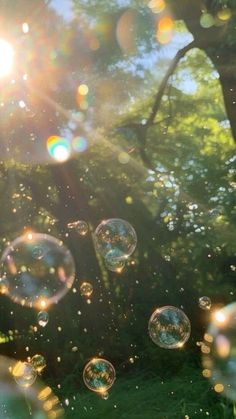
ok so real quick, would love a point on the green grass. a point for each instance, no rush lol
(145, 396)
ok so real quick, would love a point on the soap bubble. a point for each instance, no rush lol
(79, 226)
(219, 351)
(38, 362)
(24, 374)
(86, 289)
(116, 238)
(169, 327)
(38, 252)
(99, 375)
(37, 281)
(204, 303)
(114, 265)
(19, 402)
(43, 318)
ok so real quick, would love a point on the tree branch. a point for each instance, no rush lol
(180, 54)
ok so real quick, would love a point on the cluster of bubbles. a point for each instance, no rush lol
(38, 402)
(80, 226)
(99, 376)
(115, 240)
(37, 270)
(169, 327)
(219, 351)
(25, 373)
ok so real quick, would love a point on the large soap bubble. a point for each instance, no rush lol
(219, 351)
(20, 402)
(115, 239)
(169, 327)
(99, 375)
(39, 269)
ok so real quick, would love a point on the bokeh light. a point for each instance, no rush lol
(99, 375)
(79, 144)
(220, 358)
(207, 20)
(115, 238)
(169, 327)
(33, 281)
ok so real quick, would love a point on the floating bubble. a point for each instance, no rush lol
(86, 289)
(24, 374)
(38, 362)
(169, 327)
(43, 318)
(19, 402)
(115, 237)
(114, 265)
(219, 351)
(99, 375)
(79, 226)
(38, 252)
(37, 282)
(204, 303)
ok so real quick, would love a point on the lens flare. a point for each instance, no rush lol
(58, 148)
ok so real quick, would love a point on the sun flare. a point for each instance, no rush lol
(6, 58)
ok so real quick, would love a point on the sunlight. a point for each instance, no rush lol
(6, 58)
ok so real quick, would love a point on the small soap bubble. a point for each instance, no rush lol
(24, 374)
(81, 227)
(115, 237)
(86, 289)
(43, 318)
(38, 362)
(99, 375)
(169, 327)
(219, 354)
(40, 270)
(114, 265)
(204, 303)
(105, 395)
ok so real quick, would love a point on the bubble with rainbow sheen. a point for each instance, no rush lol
(79, 144)
(115, 237)
(99, 375)
(59, 148)
(219, 351)
(169, 327)
(37, 282)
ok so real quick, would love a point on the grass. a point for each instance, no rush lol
(145, 396)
